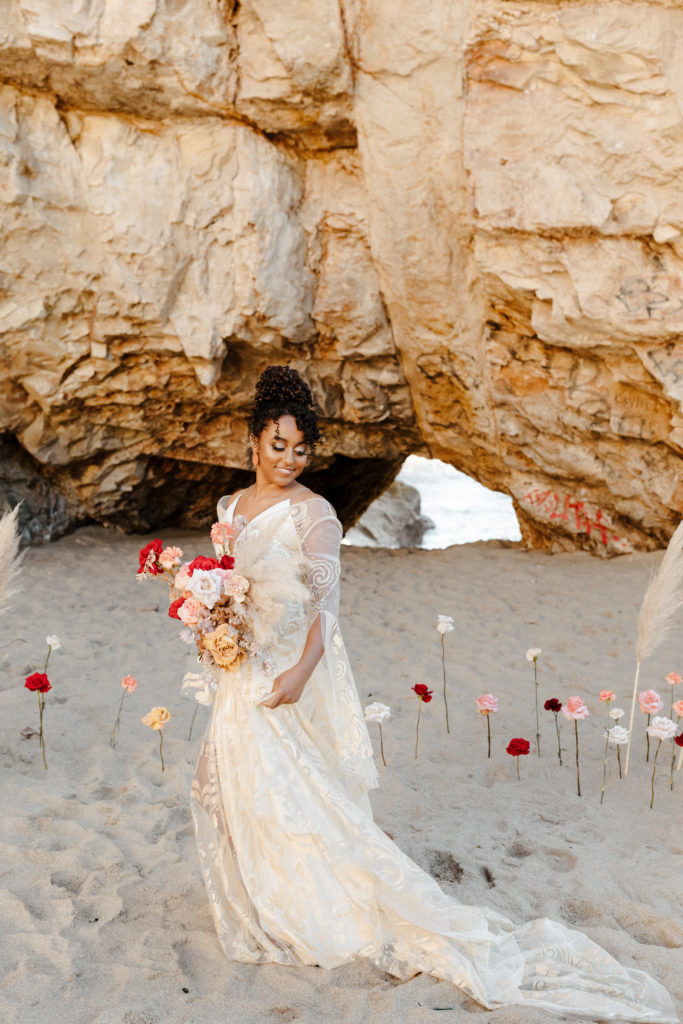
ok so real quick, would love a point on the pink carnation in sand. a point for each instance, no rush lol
(678, 708)
(170, 557)
(649, 702)
(191, 611)
(673, 679)
(487, 703)
(607, 695)
(574, 708)
(130, 684)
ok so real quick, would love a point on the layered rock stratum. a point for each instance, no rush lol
(463, 223)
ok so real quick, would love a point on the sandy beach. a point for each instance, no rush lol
(103, 912)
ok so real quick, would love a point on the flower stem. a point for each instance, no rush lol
(117, 723)
(443, 666)
(417, 727)
(538, 724)
(647, 737)
(196, 708)
(604, 768)
(41, 705)
(619, 761)
(517, 760)
(559, 745)
(654, 766)
(488, 727)
(381, 744)
(578, 776)
(161, 747)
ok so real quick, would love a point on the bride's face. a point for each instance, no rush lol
(282, 454)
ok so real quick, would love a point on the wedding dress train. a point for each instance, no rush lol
(296, 870)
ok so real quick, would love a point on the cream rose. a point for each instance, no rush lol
(157, 718)
(223, 648)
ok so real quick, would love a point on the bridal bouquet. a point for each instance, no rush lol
(208, 597)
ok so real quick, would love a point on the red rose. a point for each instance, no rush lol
(553, 704)
(153, 548)
(38, 681)
(517, 746)
(422, 692)
(200, 562)
(173, 610)
(679, 740)
(226, 562)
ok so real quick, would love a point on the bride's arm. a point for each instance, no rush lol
(289, 685)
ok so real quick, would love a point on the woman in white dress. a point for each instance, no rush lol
(296, 870)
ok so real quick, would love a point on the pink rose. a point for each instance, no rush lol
(487, 703)
(191, 611)
(649, 702)
(170, 557)
(678, 708)
(575, 708)
(673, 679)
(607, 695)
(130, 684)
(182, 578)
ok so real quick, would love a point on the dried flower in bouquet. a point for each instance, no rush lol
(444, 624)
(575, 710)
(518, 747)
(129, 685)
(378, 712)
(157, 719)
(606, 697)
(650, 703)
(532, 655)
(663, 597)
(661, 729)
(487, 705)
(555, 705)
(424, 695)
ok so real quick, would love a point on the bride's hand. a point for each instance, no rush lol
(287, 688)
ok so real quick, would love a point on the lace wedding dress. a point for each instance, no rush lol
(297, 872)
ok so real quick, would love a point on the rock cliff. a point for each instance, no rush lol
(463, 223)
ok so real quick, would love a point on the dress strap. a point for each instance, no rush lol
(226, 512)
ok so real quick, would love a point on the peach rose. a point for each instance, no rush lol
(182, 578)
(678, 708)
(487, 703)
(130, 684)
(673, 679)
(607, 695)
(574, 708)
(223, 648)
(649, 702)
(157, 718)
(191, 611)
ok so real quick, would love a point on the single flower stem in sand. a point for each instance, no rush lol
(604, 769)
(381, 744)
(488, 727)
(41, 705)
(557, 730)
(647, 737)
(196, 708)
(630, 721)
(578, 776)
(443, 666)
(619, 761)
(538, 724)
(673, 745)
(654, 766)
(417, 728)
(517, 760)
(113, 734)
(161, 747)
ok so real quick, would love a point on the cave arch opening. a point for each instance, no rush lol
(460, 510)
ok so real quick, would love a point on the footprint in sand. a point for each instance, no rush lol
(560, 860)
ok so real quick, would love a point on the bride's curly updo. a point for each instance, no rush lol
(281, 391)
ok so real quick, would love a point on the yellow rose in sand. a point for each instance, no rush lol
(157, 718)
(224, 648)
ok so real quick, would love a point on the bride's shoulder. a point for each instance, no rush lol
(316, 506)
(225, 502)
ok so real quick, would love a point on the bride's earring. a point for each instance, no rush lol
(254, 456)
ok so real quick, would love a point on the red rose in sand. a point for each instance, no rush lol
(38, 681)
(173, 610)
(226, 562)
(553, 704)
(149, 554)
(518, 746)
(679, 740)
(423, 692)
(200, 562)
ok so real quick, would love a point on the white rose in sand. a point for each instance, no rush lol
(617, 735)
(616, 713)
(377, 712)
(444, 624)
(662, 728)
(53, 642)
(533, 653)
(206, 585)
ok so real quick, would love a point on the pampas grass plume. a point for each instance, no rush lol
(9, 555)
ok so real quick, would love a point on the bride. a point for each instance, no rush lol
(296, 870)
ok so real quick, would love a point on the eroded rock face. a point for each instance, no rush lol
(463, 224)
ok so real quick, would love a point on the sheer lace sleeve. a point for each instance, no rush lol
(320, 534)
